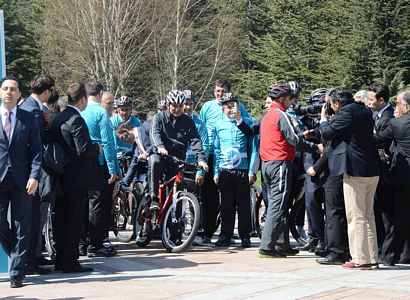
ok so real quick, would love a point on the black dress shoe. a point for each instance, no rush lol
(310, 246)
(288, 251)
(331, 260)
(404, 261)
(223, 242)
(78, 269)
(16, 283)
(246, 243)
(42, 261)
(321, 250)
(36, 270)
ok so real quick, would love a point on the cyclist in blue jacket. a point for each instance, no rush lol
(236, 164)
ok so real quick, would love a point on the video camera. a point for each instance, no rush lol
(315, 103)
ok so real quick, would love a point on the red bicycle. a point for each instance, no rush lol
(179, 214)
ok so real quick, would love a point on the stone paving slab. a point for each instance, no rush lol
(212, 273)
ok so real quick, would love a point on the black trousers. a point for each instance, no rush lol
(157, 165)
(15, 237)
(315, 197)
(383, 211)
(35, 230)
(211, 202)
(396, 239)
(69, 218)
(235, 196)
(336, 224)
(95, 214)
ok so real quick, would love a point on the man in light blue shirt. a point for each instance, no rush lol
(99, 198)
(236, 163)
(124, 114)
(191, 158)
(211, 112)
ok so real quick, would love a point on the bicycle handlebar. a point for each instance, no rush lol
(181, 163)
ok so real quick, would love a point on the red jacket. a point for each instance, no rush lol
(278, 140)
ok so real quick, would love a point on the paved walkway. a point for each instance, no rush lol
(213, 273)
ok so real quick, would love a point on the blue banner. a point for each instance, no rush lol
(3, 256)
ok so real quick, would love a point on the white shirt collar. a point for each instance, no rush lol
(79, 111)
(3, 110)
(38, 101)
(379, 114)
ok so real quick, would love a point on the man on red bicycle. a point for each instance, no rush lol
(172, 131)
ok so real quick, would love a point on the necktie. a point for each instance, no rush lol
(7, 126)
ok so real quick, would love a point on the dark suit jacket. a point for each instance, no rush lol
(24, 150)
(351, 134)
(31, 105)
(70, 131)
(399, 131)
(381, 124)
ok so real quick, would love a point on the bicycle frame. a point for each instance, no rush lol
(170, 199)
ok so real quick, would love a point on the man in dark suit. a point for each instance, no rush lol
(41, 88)
(70, 131)
(399, 177)
(378, 101)
(20, 166)
(354, 156)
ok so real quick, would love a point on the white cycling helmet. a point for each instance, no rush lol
(124, 101)
(176, 97)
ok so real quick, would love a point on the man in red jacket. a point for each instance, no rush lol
(278, 146)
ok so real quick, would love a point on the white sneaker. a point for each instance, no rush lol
(198, 241)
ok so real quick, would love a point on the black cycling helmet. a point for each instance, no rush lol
(189, 95)
(123, 101)
(278, 90)
(226, 97)
(318, 95)
(295, 87)
(176, 97)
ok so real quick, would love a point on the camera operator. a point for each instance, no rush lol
(314, 191)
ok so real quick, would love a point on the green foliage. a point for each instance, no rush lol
(254, 43)
(22, 53)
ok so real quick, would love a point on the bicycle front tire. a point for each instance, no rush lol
(123, 215)
(180, 227)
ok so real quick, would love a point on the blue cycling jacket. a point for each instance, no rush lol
(116, 120)
(100, 129)
(233, 149)
(203, 133)
(211, 112)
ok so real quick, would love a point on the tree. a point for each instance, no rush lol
(100, 39)
(21, 17)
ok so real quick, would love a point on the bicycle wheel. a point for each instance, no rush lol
(125, 204)
(297, 206)
(49, 234)
(180, 226)
(258, 210)
(142, 224)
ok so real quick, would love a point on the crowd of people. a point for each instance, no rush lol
(61, 153)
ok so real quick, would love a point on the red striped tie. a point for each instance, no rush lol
(7, 125)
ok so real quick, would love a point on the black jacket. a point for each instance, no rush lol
(351, 134)
(399, 131)
(70, 131)
(175, 134)
(381, 124)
